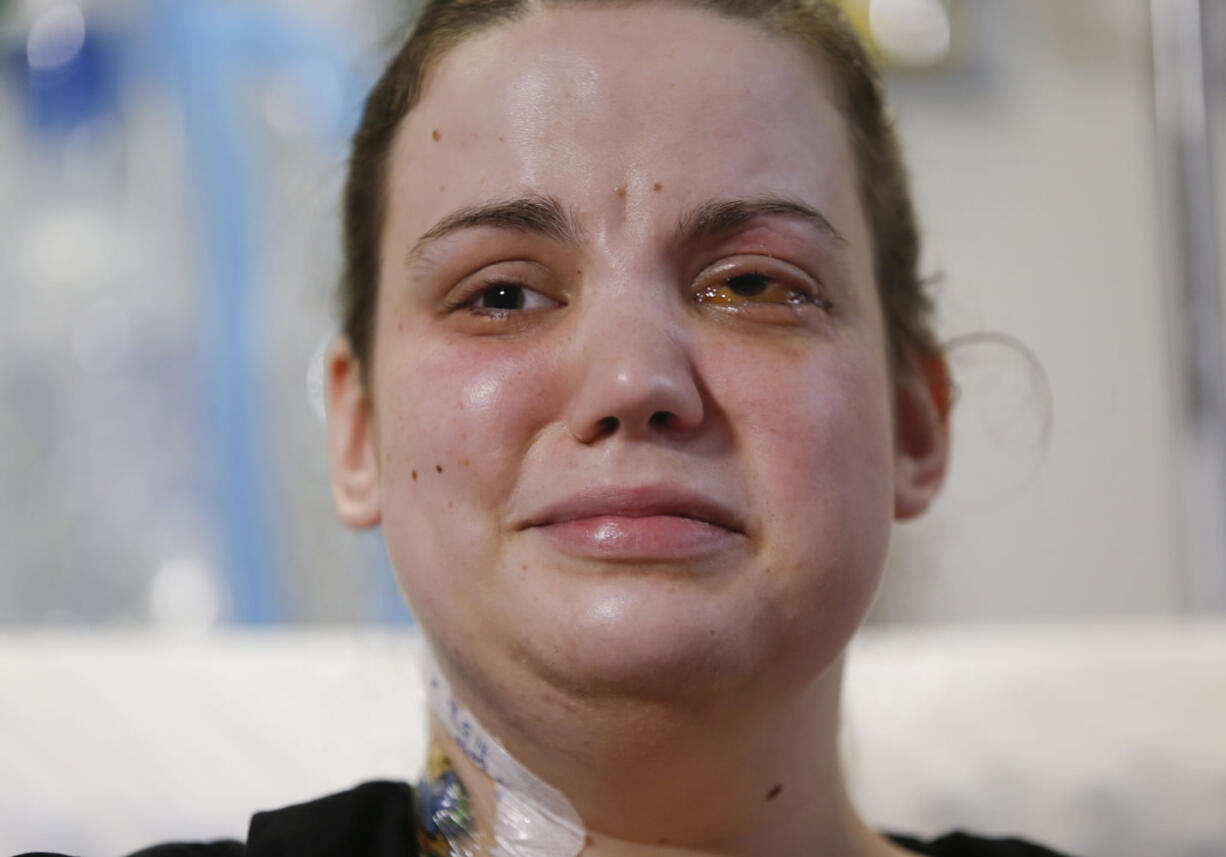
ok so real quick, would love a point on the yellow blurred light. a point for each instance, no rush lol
(912, 32)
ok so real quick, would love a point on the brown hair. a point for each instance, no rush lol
(817, 25)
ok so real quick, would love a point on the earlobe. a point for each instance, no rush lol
(352, 452)
(921, 439)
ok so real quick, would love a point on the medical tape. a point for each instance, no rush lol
(531, 817)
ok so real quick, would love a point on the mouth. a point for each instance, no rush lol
(639, 524)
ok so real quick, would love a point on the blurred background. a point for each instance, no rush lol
(1048, 656)
(169, 174)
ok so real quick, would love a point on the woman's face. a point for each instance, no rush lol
(630, 428)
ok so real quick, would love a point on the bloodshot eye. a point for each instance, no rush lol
(762, 286)
(756, 289)
(748, 285)
(766, 290)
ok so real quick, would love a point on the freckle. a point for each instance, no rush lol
(579, 272)
(523, 566)
(774, 793)
(663, 840)
(657, 186)
(436, 134)
(449, 504)
(442, 187)
(439, 468)
(464, 463)
(414, 475)
(766, 570)
(621, 190)
(501, 140)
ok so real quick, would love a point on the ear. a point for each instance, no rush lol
(921, 442)
(352, 451)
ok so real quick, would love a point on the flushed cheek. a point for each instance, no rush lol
(467, 410)
(452, 428)
(459, 421)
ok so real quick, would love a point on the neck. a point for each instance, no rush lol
(653, 780)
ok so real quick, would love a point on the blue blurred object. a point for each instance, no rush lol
(212, 48)
(70, 70)
(166, 195)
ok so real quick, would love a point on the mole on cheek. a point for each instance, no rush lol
(657, 187)
(414, 474)
(621, 190)
(436, 134)
(439, 468)
(774, 793)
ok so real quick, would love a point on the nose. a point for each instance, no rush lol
(636, 379)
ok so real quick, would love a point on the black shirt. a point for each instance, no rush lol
(377, 820)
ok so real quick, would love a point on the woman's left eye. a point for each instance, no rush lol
(732, 285)
(751, 288)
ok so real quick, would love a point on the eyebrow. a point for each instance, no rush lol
(720, 216)
(541, 215)
(546, 216)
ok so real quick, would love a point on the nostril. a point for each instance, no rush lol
(608, 425)
(661, 419)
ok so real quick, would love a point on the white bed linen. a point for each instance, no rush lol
(1097, 738)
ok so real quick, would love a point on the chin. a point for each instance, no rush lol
(659, 639)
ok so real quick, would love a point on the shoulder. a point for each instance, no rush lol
(965, 845)
(374, 819)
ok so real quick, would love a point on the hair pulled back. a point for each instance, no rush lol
(818, 26)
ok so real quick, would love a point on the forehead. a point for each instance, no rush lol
(578, 103)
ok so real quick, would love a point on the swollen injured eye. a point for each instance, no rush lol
(748, 285)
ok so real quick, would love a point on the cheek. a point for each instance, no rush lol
(814, 425)
(453, 424)
(817, 442)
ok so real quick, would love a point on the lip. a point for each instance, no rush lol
(638, 501)
(638, 524)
